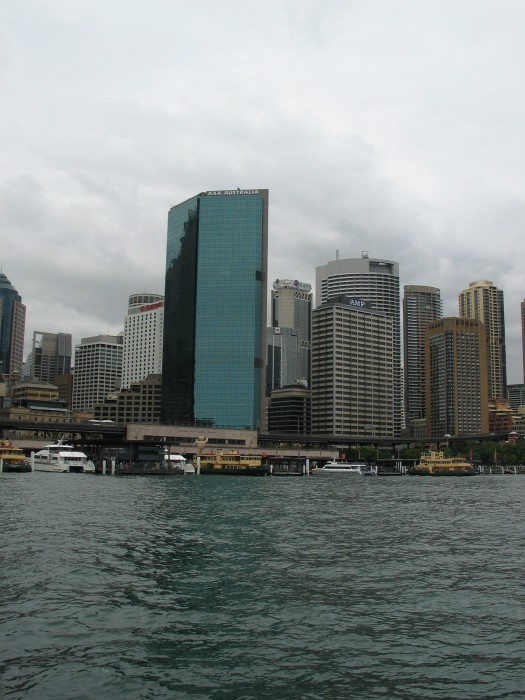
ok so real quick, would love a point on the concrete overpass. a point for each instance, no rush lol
(99, 432)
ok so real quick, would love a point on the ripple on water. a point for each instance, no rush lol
(265, 588)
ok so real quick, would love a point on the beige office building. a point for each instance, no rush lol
(353, 369)
(456, 377)
(377, 281)
(484, 301)
(522, 309)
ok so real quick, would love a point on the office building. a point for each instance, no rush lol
(98, 370)
(288, 358)
(12, 329)
(36, 393)
(215, 310)
(50, 355)
(500, 416)
(456, 380)
(421, 305)
(290, 411)
(353, 376)
(516, 395)
(377, 282)
(484, 301)
(522, 309)
(138, 403)
(64, 384)
(143, 332)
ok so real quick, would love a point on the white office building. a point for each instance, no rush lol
(143, 337)
(98, 370)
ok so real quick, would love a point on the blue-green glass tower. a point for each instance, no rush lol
(215, 310)
(12, 328)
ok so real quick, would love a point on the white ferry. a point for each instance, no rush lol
(62, 458)
(334, 467)
(178, 463)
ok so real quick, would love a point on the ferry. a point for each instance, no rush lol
(334, 467)
(230, 463)
(61, 458)
(13, 458)
(434, 463)
(370, 471)
(178, 463)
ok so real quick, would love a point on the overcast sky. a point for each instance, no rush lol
(391, 126)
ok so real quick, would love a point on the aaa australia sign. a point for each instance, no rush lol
(223, 192)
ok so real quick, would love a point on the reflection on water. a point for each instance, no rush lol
(229, 587)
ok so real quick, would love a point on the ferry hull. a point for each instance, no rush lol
(15, 467)
(464, 472)
(54, 468)
(227, 471)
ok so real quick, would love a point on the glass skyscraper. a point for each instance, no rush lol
(51, 355)
(288, 356)
(12, 328)
(215, 310)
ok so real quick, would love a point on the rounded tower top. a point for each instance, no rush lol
(5, 283)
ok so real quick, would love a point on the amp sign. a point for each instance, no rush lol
(359, 303)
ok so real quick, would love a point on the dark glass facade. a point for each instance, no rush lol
(12, 327)
(215, 309)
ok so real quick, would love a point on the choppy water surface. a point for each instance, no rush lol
(231, 587)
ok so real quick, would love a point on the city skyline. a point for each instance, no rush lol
(391, 131)
(515, 365)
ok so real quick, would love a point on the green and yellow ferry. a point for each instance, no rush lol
(230, 463)
(434, 463)
(13, 458)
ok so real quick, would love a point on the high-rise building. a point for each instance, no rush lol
(143, 329)
(12, 329)
(516, 395)
(352, 369)
(215, 310)
(456, 377)
(288, 358)
(98, 370)
(377, 282)
(50, 355)
(522, 308)
(484, 301)
(421, 305)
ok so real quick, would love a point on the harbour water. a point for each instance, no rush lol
(229, 587)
